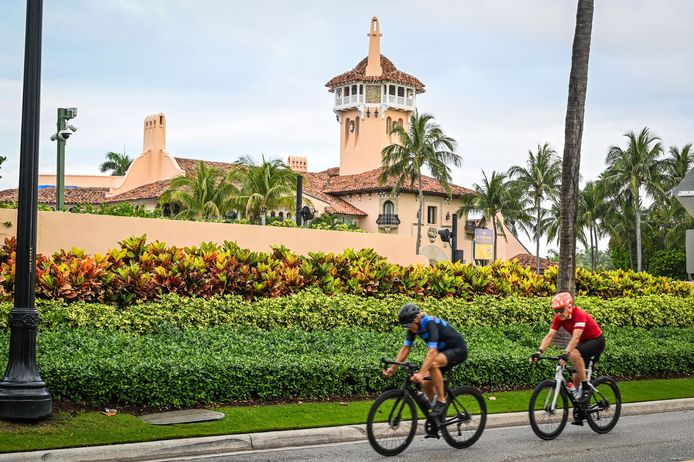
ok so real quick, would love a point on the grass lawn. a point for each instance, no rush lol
(63, 430)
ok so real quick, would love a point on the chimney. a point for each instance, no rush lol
(373, 65)
(297, 164)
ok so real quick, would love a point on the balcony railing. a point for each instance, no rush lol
(388, 220)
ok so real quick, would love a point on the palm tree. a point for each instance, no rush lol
(631, 168)
(207, 194)
(677, 165)
(573, 134)
(592, 208)
(423, 144)
(493, 198)
(116, 163)
(263, 187)
(538, 181)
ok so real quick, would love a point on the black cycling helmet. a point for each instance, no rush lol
(408, 313)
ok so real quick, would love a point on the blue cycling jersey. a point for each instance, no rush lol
(437, 333)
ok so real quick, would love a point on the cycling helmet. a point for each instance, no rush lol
(408, 313)
(562, 300)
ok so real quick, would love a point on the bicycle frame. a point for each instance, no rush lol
(560, 381)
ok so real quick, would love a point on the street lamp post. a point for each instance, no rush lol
(23, 395)
(65, 130)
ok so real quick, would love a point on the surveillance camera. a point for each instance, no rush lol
(72, 127)
(64, 134)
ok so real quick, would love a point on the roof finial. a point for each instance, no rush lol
(373, 65)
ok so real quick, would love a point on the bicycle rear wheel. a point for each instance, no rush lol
(548, 423)
(465, 417)
(604, 406)
(392, 422)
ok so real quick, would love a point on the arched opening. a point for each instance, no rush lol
(389, 126)
(388, 208)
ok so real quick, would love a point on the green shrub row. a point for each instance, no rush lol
(138, 271)
(186, 368)
(313, 310)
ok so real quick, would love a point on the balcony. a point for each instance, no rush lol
(390, 221)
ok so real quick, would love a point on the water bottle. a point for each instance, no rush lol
(572, 389)
(423, 400)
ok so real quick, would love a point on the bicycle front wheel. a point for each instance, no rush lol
(464, 417)
(392, 422)
(548, 411)
(604, 406)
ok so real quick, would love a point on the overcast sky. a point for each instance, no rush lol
(247, 78)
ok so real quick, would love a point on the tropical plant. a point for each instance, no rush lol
(676, 165)
(263, 187)
(592, 208)
(423, 144)
(539, 181)
(631, 169)
(494, 199)
(116, 163)
(207, 194)
(573, 133)
(2, 161)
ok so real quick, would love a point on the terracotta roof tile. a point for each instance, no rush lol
(73, 196)
(390, 74)
(529, 261)
(368, 181)
(147, 191)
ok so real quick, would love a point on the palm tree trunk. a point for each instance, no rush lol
(592, 249)
(494, 234)
(638, 230)
(419, 215)
(573, 133)
(537, 235)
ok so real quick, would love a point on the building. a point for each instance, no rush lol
(369, 101)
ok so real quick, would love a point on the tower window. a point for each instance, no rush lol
(346, 91)
(401, 91)
(388, 208)
(391, 90)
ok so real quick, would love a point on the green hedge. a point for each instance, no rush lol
(313, 310)
(186, 368)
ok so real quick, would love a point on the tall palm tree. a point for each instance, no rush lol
(492, 198)
(208, 193)
(116, 163)
(538, 181)
(423, 144)
(677, 165)
(592, 208)
(264, 187)
(632, 168)
(573, 134)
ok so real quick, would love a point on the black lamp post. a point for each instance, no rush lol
(23, 395)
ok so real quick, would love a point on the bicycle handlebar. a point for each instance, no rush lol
(407, 365)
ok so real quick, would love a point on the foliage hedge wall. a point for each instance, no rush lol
(192, 367)
(138, 271)
(313, 310)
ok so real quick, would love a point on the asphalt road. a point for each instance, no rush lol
(654, 437)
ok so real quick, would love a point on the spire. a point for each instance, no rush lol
(373, 65)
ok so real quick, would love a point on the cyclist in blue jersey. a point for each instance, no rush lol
(447, 348)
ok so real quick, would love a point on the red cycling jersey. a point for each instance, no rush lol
(579, 319)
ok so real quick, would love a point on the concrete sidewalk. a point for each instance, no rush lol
(278, 439)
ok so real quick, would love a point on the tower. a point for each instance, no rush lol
(369, 101)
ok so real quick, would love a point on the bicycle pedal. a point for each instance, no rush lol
(577, 422)
(437, 436)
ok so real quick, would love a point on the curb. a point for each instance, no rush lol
(277, 439)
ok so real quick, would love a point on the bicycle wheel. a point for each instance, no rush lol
(548, 423)
(392, 422)
(465, 417)
(605, 405)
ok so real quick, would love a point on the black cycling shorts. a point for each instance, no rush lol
(454, 356)
(592, 347)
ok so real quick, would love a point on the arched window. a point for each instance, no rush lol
(281, 215)
(289, 216)
(400, 123)
(388, 208)
(272, 214)
(389, 126)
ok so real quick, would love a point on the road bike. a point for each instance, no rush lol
(392, 421)
(549, 403)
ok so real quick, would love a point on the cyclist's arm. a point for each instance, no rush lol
(402, 356)
(575, 337)
(547, 341)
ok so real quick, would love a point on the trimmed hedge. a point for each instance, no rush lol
(313, 310)
(186, 368)
(138, 271)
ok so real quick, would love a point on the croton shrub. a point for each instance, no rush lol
(141, 271)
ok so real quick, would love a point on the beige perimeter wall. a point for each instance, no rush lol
(98, 233)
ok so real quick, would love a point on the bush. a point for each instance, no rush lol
(138, 271)
(313, 310)
(194, 367)
(669, 263)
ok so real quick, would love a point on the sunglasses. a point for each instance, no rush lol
(559, 310)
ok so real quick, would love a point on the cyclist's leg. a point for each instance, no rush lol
(440, 361)
(590, 349)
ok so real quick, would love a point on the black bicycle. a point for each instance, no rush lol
(549, 403)
(392, 421)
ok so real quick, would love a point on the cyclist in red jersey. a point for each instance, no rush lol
(586, 340)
